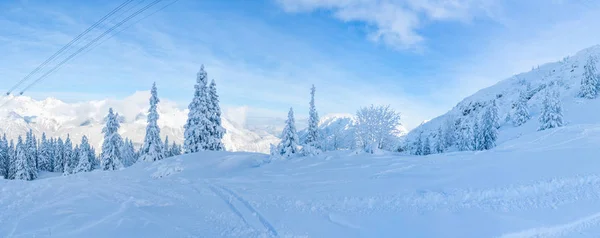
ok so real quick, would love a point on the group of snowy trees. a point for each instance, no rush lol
(203, 130)
(480, 133)
(26, 158)
(290, 142)
(375, 128)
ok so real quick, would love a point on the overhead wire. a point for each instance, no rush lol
(88, 45)
(65, 47)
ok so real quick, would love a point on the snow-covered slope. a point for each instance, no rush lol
(563, 76)
(543, 184)
(57, 118)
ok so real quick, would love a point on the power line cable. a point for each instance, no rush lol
(57, 53)
(88, 45)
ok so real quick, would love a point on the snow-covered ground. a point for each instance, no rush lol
(542, 184)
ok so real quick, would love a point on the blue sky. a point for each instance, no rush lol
(420, 56)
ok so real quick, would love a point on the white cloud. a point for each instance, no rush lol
(397, 22)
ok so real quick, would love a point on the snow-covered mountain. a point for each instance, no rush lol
(57, 118)
(563, 76)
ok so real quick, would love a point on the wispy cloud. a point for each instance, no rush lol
(397, 22)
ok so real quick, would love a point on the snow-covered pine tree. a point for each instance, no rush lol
(59, 157)
(464, 139)
(521, 111)
(590, 82)
(552, 116)
(85, 161)
(418, 145)
(288, 146)
(477, 135)
(217, 131)
(11, 159)
(426, 146)
(152, 150)
(68, 156)
(167, 148)
(4, 158)
(197, 127)
(313, 136)
(439, 141)
(110, 159)
(128, 153)
(175, 149)
(74, 160)
(489, 129)
(23, 168)
(30, 146)
(44, 156)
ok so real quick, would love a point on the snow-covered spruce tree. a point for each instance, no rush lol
(152, 150)
(175, 149)
(85, 162)
(418, 145)
(312, 145)
(197, 127)
(214, 115)
(31, 153)
(552, 116)
(489, 129)
(464, 136)
(167, 148)
(12, 153)
(68, 156)
(59, 157)
(375, 127)
(128, 153)
(590, 82)
(110, 159)
(288, 146)
(4, 158)
(23, 168)
(426, 146)
(477, 135)
(440, 142)
(520, 111)
(44, 156)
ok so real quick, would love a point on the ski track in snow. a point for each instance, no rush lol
(251, 213)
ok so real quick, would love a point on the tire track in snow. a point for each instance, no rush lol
(254, 212)
(558, 230)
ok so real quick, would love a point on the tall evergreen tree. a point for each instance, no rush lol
(69, 157)
(590, 82)
(110, 159)
(313, 136)
(418, 145)
(440, 142)
(478, 139)
(4, 158)
(167, 148)
(128, 153)
(464, 138)
(11, 160)
(521, 111)
(152, 149)
(175, 149)
(59, 157)
(426, 146)
(197, 127)
(31, 149)
(489, 128)
(85, 161)
(288, 146)
(551, 111)
(44, 155)
(217, 131)
(23, 168)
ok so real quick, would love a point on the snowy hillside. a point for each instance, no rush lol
(543, 184)
(57, 118)
(563, 76)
